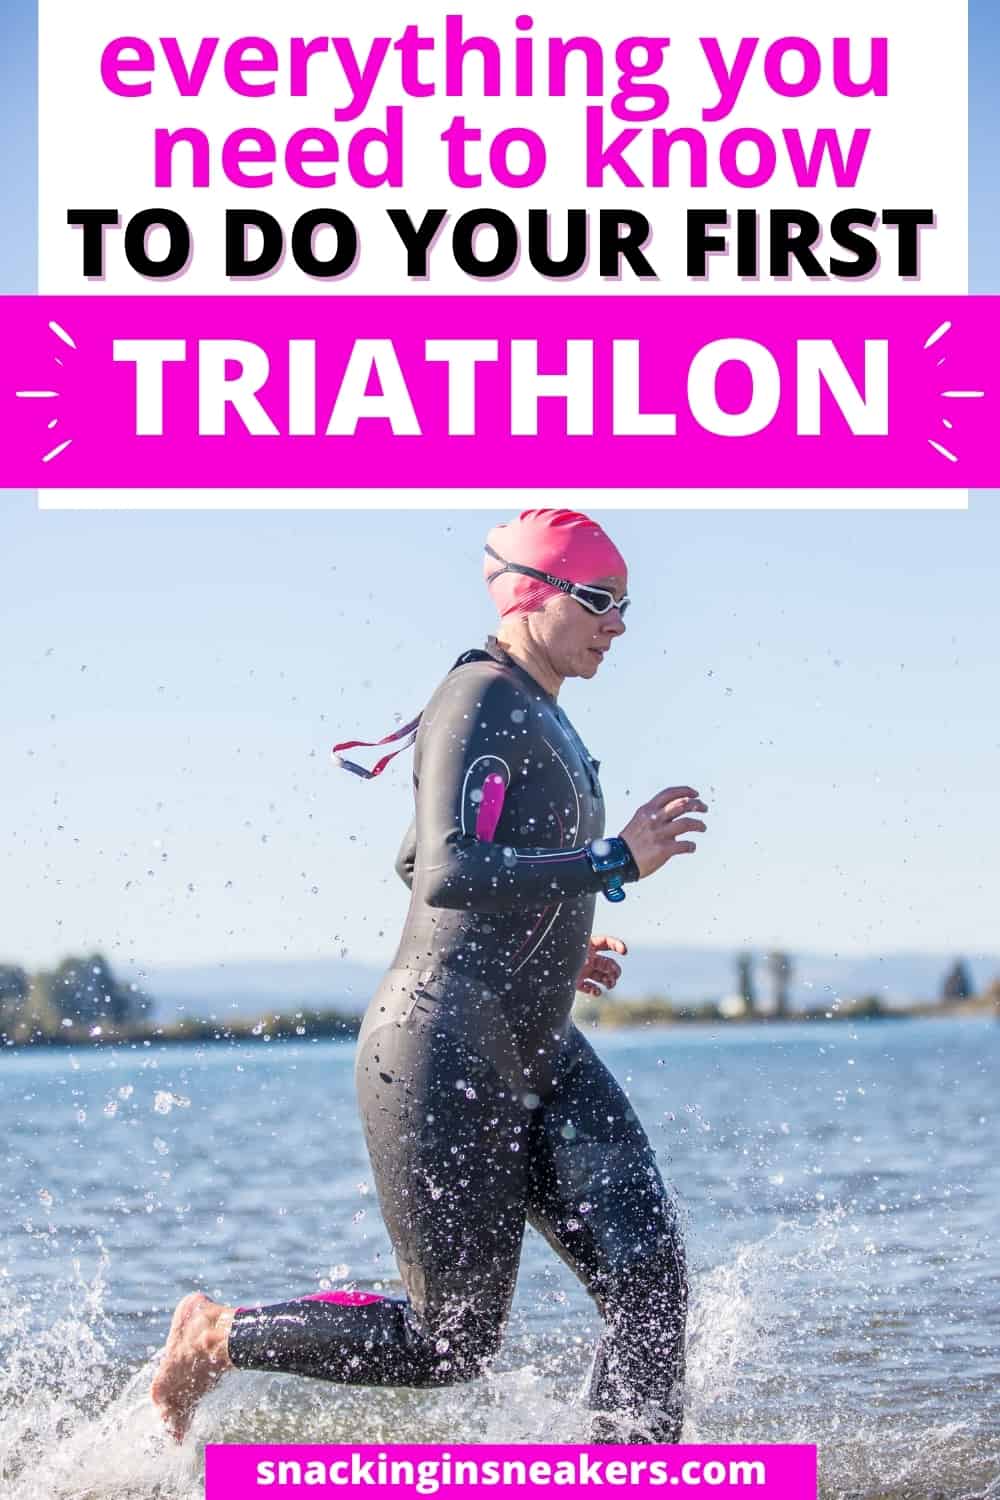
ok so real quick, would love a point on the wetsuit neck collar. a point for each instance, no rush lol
(497, 652)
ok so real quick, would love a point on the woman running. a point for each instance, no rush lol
(483, 1105)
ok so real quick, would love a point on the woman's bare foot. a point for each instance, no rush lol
(196, 1357)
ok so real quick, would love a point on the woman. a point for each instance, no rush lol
(483, 1106)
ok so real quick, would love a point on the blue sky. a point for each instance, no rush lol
(173, 683)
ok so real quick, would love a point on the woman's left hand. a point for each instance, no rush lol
(599, 970)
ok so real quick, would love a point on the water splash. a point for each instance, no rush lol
(72, 1425)
(754, 1375)
(779, 1330)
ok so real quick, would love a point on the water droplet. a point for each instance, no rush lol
(164, 1101)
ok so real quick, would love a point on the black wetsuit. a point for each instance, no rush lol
(483, 1105)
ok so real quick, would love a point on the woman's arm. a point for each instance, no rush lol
(482, 725)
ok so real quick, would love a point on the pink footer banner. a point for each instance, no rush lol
(774, 1472)
(482, 392)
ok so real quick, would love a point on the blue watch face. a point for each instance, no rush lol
(609, 857)
(612, 857)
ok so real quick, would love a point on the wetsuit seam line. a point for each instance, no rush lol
(559, 908)
(541, 940)
(576, 794)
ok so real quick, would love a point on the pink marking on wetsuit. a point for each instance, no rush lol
(490, 807)
(344, 1299)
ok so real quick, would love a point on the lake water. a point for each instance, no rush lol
(840, 1188)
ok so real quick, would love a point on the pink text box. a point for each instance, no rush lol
(942, 406)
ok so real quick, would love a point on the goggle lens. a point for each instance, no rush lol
(600, 601)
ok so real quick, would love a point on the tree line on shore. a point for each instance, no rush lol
(749, 1001)
(82, 1001)
(79, 994)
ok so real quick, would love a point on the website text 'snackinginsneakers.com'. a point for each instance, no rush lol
(428, 1476)
(774, 1472)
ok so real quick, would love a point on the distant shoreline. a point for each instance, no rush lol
(599, 1014)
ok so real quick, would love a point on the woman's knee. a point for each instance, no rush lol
(464, 1346)
(646, 1284)
(463, 1318)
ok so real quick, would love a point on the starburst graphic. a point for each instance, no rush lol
(61, 334)
(934, 338)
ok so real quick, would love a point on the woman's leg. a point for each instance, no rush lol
(596, 1194)
(445, 1143)
(448, 1146)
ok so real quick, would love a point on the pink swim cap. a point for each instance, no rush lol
(563, 542)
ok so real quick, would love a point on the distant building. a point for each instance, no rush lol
(744, 981)
(957, 983)
(780, 969)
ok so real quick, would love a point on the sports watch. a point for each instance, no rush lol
(612, 860)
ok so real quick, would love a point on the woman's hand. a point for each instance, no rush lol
(598, 969)
(654, 833)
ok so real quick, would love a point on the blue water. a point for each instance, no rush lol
(840, 1189)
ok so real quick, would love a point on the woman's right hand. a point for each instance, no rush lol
(654, 833)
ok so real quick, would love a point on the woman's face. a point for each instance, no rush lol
(576, 640)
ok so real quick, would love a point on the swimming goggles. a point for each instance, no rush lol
(598, 601)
